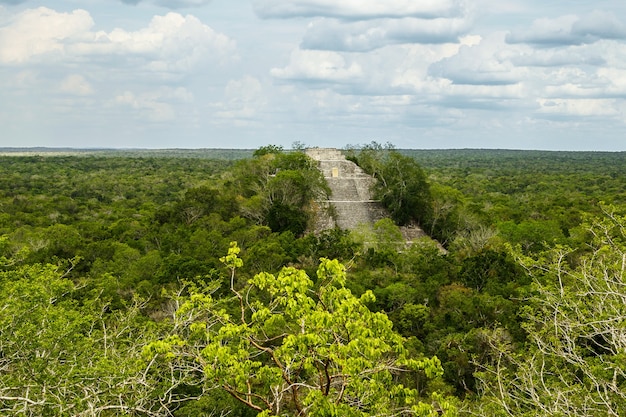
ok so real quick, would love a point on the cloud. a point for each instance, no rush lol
(570, 30)
(481, 64)
(560, 57)
(441, 66)
(614, 79)
(244, 100)
(172, 4)
(170, 43)
(42, 31)
(331, 34)
(318, 66)
(559, 108)
(357, 9)
(155, 106)
(76, 85)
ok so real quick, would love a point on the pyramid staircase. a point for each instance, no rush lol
(351, 196)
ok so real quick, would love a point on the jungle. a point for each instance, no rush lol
(192, 283)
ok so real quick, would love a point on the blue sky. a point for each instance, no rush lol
(241, 74)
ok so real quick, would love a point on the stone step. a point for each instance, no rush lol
(343, 189)
(351, 214)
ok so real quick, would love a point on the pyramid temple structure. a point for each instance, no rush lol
(351, 202)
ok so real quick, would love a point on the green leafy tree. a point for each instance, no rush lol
(402, 184)
(267, 150)
(277, 189)
(404, 190)
(62, 355)
(284, 346)
(573, 362)
(532, 235)
(492, 271)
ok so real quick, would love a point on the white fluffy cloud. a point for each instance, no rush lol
(319, 66)
(357, 9)
(365, 25)
(362, 36)
(481, 64)
(169, 43)
(571, 30)
(59, 65)
(42, 32)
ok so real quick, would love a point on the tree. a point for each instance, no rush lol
(267, 150)
(276, 189)
(401, 185)
(573, 362)
(383, 236)
(492, 271)
(284, 346)
(532, 235)
(404, 190)
(61, 355)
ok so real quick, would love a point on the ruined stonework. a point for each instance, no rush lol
(351, 202)
(350, 187)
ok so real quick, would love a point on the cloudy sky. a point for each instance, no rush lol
(519, 74)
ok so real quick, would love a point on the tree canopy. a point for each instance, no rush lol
(284, 346)
(114, 300)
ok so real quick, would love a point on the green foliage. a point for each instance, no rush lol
(491, 271)
(84, 238)
(284, 346)
(499, 186)
(401, 186)
(267, 150)
(575, 324)
(404, 190)
(67, 355)
(532, 235)
(382, 236)
(276, 189)
(333, 243)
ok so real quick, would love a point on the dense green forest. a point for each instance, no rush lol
(189, 283)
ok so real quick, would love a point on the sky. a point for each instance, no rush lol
(420, 74)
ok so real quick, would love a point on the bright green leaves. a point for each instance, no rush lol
(431, 366)
(289, 283)
(292, 347)
(162, 348)
(439, 406)
(331, 270)
(66, 355)
(232, 260)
